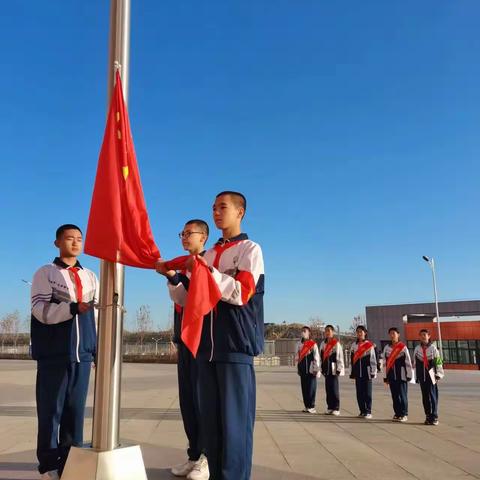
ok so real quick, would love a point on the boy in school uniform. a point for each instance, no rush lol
(332, 366)
(364, 369)
(63, 335)
(428, 371)
(308, 368)
(193, 236)
(398, 372)
(231, 336)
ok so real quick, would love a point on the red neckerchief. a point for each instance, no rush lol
(306, 347)
(393, 356)
(328, 348)
(78, 283)
(363, 348)
(425, 359)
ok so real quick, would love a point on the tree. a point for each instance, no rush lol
(144, 322)
(358, 320)
(10, 328)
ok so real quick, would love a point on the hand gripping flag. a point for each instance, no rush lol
(203, 295)
(118, 226)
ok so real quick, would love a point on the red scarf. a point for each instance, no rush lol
(393, 356)
(203, 295)
(425, 359)
(363, 348)
(78, 283)
(327, 350)
(306, 347)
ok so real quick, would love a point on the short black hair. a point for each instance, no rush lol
(306, 327)
(362, 328)
(238, 198)
(393, 329)
(202, 224)
(424, 330)
(331, 327)
(67, 226)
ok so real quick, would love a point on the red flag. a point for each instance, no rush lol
(203, 295)
(118, 226)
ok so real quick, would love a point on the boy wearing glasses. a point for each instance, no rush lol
(193, 238)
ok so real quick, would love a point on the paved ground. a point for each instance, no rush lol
(288, 444)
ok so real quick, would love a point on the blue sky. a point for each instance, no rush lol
(352, 127)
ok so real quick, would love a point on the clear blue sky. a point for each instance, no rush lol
(352, 127)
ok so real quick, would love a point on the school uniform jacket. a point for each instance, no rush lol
(58, 331)
(433, 361)
(402, 368)
(234, 330)
(335, 357)
(366, 366)
(310, 363)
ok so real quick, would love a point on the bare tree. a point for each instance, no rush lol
(357, 321)
(144, 322)
(10, 328)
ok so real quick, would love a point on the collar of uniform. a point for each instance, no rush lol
(57, 261)
(223, 241)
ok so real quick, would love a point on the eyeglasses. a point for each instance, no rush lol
(186, 234)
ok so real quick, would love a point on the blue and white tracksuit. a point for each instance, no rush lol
(308, 369)
(422, 376)
(232, 335)
(397, 378)
(332, 367)
(64, 345)
(363, 371)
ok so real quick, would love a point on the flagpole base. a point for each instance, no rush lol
(123, 463)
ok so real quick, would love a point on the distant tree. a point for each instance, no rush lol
(358, 320)
(10, 328)
(144, 322)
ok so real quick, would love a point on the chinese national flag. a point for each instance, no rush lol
(118, 226)
(203, 296)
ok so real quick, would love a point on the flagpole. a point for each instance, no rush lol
(107, 459)
(106, 412)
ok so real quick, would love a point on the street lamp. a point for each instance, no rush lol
(431, 262)
(156, 340)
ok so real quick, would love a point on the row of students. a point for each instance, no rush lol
(217, 389)
(327, 360)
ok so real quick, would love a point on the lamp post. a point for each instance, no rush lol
(431, 262)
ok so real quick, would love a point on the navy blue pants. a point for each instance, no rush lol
(227, 405)
(364, 394)
(399, 391)
(309, 389)
(188, 398)
(332, 391)
(430, 399)
(61, 393)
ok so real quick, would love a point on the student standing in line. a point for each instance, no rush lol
(398, 372)
(428, 371)
(308, 367)
(332, 366)
(364, 369)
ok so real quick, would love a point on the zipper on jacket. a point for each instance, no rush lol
(78, 338)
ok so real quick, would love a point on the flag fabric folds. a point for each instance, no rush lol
(203, 296)
(118, 226)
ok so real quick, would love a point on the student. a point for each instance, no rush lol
(364, 369)
(428, 371)
(63, 336)
(308, 367)
(193, 237)
(332, 366)
(398, 372)
(232, 335)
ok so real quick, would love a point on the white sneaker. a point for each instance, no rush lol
(200, 470)
(328, 412)
(183, 469)
(336, 413)
(403, 419)
(51, 475)
(311, 410)
(368, 416)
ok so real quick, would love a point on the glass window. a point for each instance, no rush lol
(463, 356)
(471, 343)
(452, 344)
(446, 355)
(462, 344)
(445, 343)
(453, 356)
